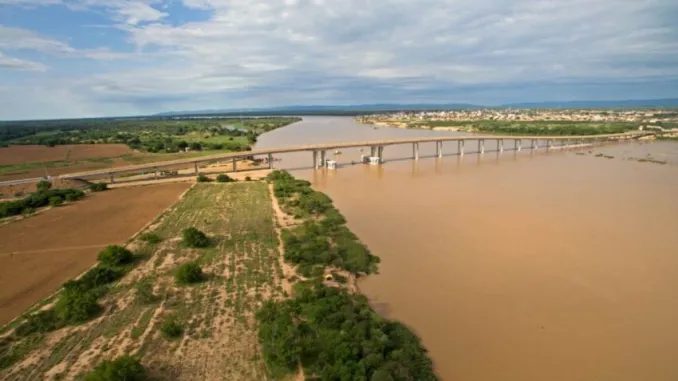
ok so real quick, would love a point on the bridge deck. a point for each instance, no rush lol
(330, 146)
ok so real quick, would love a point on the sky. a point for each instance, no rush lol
(83, 58)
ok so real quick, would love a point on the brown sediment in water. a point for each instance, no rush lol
(521, 266)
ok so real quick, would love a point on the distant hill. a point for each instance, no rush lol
(324, 109)
(393, 107)
(631, 103)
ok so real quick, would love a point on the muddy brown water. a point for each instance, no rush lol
(515, 266)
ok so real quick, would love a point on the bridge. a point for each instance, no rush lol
(502, 143)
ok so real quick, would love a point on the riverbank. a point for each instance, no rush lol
(222, 323)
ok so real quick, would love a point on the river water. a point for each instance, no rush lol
(558, 265)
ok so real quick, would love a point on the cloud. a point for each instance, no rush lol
(19, 64)
(257, 53)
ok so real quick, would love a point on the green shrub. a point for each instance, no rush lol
(223, 178)
(98, 187)
(43, 185)
(43, 321)
(171, 328)
(247, 178)
(98, 276)
(193, 237)
(151, 238)
(335, 335)
(115, 255)
(124, 368)
(203, 178)
(76, 306)
(189, 273)
(55, 201)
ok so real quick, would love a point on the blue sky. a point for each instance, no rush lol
(74, 58)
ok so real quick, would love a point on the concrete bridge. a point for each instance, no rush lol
(485, 143)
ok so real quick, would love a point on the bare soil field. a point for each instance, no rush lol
(39, 253)
(18, 154)
(219, 341)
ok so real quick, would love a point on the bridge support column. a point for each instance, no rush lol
(322, 157)
(500, 145)
(481, 146)
(415, 151)
(315, 159)
(439, 149)
(112, 178)
(380, 153)
(373, 151)
(155, 173)
(460, 147)
(195, 167)
(519, 143)
(534, 144)
(233, 165)
(270, 161)
(549, 143)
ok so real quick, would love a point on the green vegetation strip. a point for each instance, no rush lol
(42, 197)
(323, 239)
(331, 333)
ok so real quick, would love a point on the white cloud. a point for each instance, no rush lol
(248, 52)
(19, 64)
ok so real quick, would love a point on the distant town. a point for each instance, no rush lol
(659, 118)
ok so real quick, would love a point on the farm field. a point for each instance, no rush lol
(219, 337)
(39, 253)
(19, 154)
(18, 162)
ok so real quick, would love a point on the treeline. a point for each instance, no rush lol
(323, 239)
(146, 134)
(42, 197)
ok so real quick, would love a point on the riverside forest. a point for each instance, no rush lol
(148, 134)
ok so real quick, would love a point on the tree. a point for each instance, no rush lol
(189, 273)
(124, 368)
(55, 201)
(43, 185)
(193, 237)
(223, 178)
(202, 178)
(76, 306)
(115, 255)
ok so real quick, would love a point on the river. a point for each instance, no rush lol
(558, 265)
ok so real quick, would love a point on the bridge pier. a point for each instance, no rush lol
(534, 144)
(112, 178)
(439, 149)
(195, 167)
(460, 147)
(415, 151)
(270, 161)
(500, 145)
(315, 159)
(322, 157)
(380, 153)
(549, 143)
(481, 146)
(155, 173)
(233, 164)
